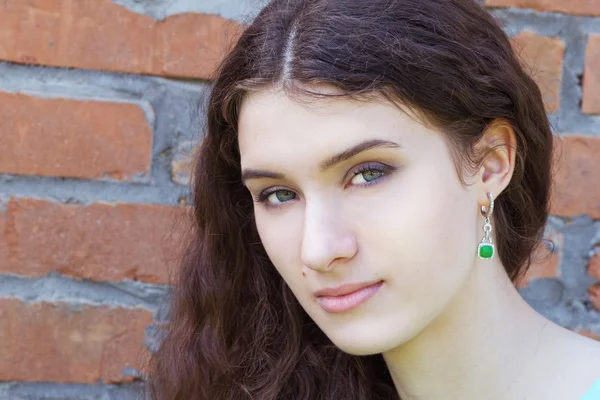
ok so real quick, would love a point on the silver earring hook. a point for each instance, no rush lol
(486, 213)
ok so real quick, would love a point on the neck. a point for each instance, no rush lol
(481, 346)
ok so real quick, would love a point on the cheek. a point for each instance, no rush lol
(280, 236)
(426, 228)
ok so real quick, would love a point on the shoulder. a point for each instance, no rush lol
(582, 363)
(593, 392)
(567, 367)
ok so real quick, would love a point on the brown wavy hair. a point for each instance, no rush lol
(235, 330)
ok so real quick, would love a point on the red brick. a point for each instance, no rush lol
(193, 44)
(545, 263)
(542, 58)
(589, 334)
(594, 292)
(576, 190)
(577, 7)
(59, 342)
(594, 266)
(70, 138)
(102, 35)
(591, 76)
(100, 241)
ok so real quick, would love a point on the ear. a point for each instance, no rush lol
(498, 144)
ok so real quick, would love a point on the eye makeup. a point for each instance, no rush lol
(371, 172)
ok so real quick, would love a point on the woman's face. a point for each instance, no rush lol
(358, 193)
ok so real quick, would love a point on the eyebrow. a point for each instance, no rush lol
(327, 163)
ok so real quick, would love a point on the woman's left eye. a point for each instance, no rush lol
(368, 174)
(366, 177)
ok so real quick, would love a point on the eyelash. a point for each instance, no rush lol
(386, 170)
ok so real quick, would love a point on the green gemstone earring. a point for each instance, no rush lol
(486, 250)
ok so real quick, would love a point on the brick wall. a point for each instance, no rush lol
(98, 103)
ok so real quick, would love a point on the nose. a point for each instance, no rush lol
(326, 238)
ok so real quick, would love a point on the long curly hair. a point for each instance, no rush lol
(235, 330)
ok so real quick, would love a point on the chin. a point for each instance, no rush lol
(374, 335)
(366, 348)
(365, 341)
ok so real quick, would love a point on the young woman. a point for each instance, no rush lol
(373, 180)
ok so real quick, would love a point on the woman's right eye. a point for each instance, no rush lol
(275, 197)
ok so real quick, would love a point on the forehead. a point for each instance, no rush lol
(270, 123)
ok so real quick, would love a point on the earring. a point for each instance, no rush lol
(486, 250)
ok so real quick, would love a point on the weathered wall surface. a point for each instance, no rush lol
(98, 116)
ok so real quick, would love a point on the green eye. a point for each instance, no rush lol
(372, 175)
(367, 175)
(284, 195)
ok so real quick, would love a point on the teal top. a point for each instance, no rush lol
(593, 393)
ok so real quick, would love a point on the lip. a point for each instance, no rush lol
(346, 297)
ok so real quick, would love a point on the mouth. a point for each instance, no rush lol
(346, 297)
